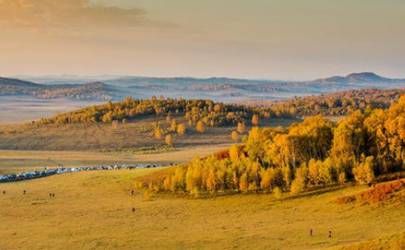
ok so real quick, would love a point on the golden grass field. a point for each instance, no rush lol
(93, 210)
(133, 136)
(14, 161)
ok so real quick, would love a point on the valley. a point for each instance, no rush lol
(52, 95)
(231, 124)
(264, 173)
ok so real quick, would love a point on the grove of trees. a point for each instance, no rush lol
(314, 153)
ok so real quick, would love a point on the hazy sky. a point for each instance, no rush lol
(278, 39)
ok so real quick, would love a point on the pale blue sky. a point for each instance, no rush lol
(279, 39)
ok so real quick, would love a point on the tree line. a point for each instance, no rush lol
(313, 153)
(332, 104)
(214, 114)
(207, 111)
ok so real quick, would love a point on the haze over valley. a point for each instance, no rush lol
(36, 97)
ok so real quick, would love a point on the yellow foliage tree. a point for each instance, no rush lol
(158, 133)
(211, 181)
(200, 127)
(300, 181)
(234, 153)
(235, 136)
(243, 183)
(173, 125)
(169, 139)
(255, 120)
(267, 179)
(364, 171)
(181, 129)
(241, 128)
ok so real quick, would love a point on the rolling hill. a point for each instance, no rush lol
(87, 91)
(216, 88)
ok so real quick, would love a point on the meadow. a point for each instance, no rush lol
(94, 210)
(134, 135)
(15, 161)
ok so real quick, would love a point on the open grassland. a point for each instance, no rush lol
(133, 135)
(93, 210)
(12, 161)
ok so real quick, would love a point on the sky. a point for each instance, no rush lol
(272, 39)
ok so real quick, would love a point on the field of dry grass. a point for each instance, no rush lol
(93, 210)
(13, 161)
(133, 135)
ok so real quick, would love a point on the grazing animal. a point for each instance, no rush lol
(4, 191)
(133, 210)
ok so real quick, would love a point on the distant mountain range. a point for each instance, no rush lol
(365, 77)
(222, 89)
(87, 91)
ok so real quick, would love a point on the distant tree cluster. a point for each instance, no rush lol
(206, 113)
(332, 104)
(313, 153)
(199, 113)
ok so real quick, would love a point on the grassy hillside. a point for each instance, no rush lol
(94, 210)
(133, 135)
(130, 124)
